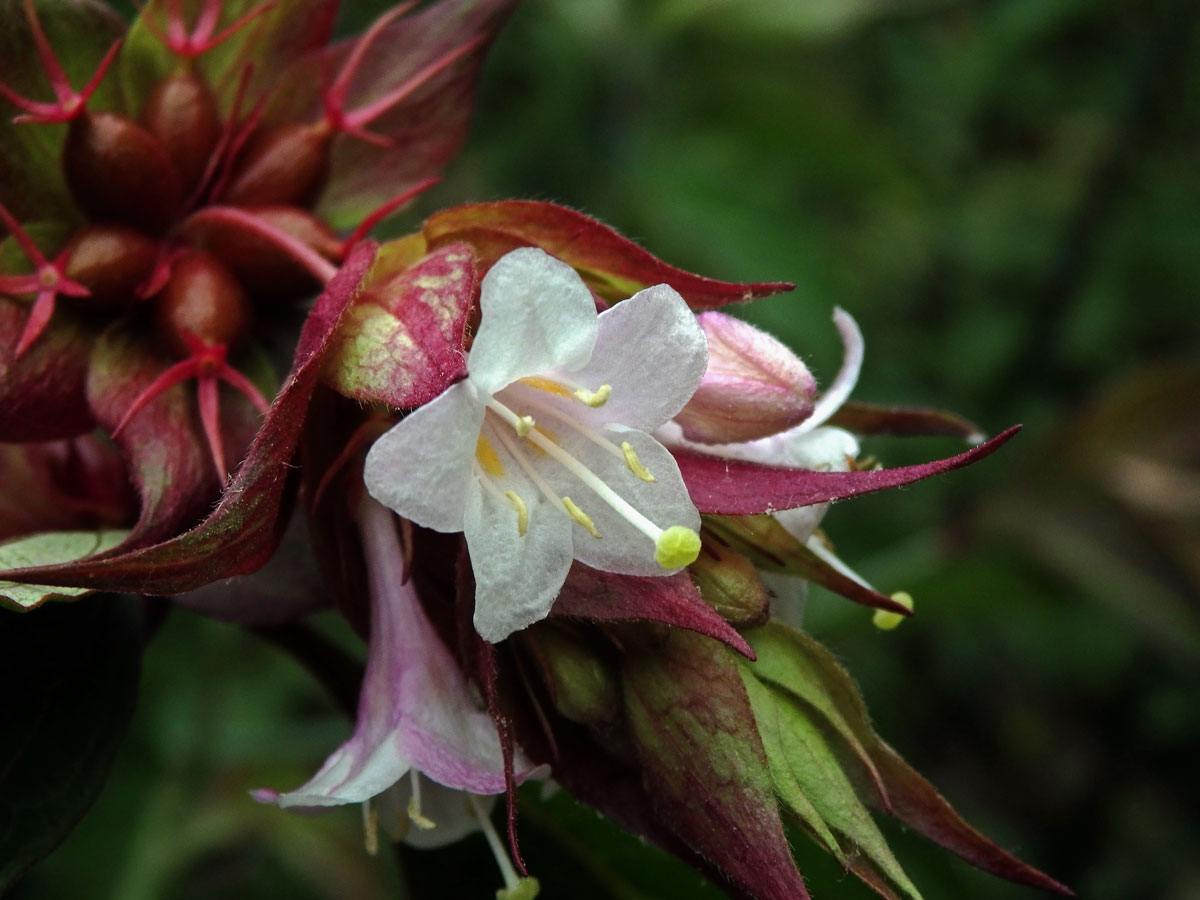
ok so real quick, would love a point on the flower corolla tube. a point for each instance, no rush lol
(542, 454)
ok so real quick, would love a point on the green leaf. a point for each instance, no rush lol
(45, 549)
(703, 763)
(809, 768)
(70, 675)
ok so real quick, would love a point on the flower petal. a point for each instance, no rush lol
(422, 467)
(653, 354)
(537, 315)
(517, 577)
(415, 709)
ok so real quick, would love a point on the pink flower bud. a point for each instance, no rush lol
(754, 386)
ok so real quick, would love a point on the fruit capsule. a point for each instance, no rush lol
(202, 300)
(111, 261)
(182, 112)
(284, 164)
(119, 171)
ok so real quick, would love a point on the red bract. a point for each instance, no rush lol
(203, 153)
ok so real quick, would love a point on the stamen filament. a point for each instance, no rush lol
(370, 817)
(414, 804)
(511, 879)
(582, 472)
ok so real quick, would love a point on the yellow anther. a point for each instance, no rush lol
(415, 816)
(488, 459)
(634, 464)
(886, 620)
(523, 425)
(677, 546)
(580, 516)
(594, 398)
(522, 511)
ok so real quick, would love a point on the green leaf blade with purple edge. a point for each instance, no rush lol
(811, 764)
(402, 341)
(48, 548)
(241, 533)
(71, 676)
(672, 600)
(909, 797)
(703, 764)
(731, 487)
(613, 266)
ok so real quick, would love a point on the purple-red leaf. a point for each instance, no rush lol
(240, 535)
(164, 450)
(613, 266)
(732, 487)
(703, 763)
(42, 394)
(903, 421)
(672, 600)
(402, 341)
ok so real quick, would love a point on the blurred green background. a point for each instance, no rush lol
(1006, 195)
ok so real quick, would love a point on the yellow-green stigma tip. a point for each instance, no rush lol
(677, 546)
(525, 889)
(885, 620)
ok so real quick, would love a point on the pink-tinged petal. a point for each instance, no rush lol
(754, 385)
(43, 394)
(517, 576)
(604, 597)
(415, 710)
(402, 342)
(613, 266)
(422, 468)
(536, 315)
(703, 763)
(243, 531)
(904, 421)
(732, 487)
(652, 353)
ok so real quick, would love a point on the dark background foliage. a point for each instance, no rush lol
(1005, 195)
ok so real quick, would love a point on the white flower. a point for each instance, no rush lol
(541, 455)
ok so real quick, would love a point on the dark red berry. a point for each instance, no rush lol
(202, 299)
(111, 261)
(285, 164)
(182, 112)
(119, 171)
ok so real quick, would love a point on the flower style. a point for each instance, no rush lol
(541, 455)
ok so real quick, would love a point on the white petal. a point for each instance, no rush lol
(422, 468)
(652, 352)
(536, 315)
(517, 577)
(621, 547)
(847, 377)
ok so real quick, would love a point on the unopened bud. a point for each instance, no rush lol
(112, 262)
(285, 164)
(182, 112)
(754, 386)
(265, 268)
(203, 300)
(730, 584)
(581, 683)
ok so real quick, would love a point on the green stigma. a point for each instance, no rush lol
(677, 546)
(885, 620)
